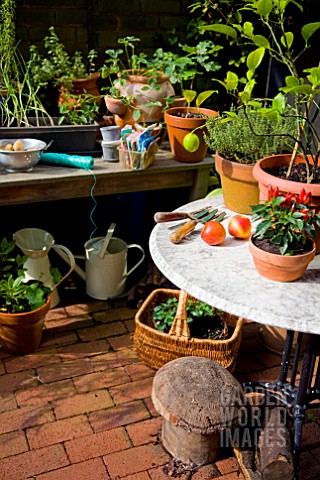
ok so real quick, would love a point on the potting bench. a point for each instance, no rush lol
(225, 277)
(48, 183)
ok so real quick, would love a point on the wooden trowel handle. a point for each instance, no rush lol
(160, 217)
(186, 228)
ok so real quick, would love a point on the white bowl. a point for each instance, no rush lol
(21, 160)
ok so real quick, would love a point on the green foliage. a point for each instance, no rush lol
(17, 295)
(58, 66)
(7, 30)
(286, 221)
(278, 41)
(80, 109)
(243, 136)
(179, 67)
(164, 314)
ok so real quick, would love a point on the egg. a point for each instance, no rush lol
(9, 147)
(18, 145)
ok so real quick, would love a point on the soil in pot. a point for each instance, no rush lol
(187, 115)
(267, 246)
(298, 173)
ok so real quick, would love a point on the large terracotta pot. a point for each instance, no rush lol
(281, 268)
(21, 333)
(265, 179)
(239, 188)
(135, 87)
(179, 127)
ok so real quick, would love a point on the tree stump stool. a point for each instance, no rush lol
(197, 398)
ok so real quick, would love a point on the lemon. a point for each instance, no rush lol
(191, 142)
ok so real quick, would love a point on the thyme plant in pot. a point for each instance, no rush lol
(186, 127)
(300, 89)
(239, 139)
(283, 243)
(23, 305)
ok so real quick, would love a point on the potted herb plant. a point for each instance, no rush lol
(23, 305)
(300, 89)
(239, 139)
(283, 244)
(186, 127)
(149, 82)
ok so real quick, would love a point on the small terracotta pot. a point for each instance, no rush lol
(239, 188)
(21, 333)
(281, 268)
(179, 127)
(116, 106)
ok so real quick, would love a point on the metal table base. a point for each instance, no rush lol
(295, 394)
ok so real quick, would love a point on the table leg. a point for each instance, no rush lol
(295, 396)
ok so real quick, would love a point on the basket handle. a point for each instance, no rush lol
(180, 327)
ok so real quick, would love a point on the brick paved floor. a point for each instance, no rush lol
(80, 408)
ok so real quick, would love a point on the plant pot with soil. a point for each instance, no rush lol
(23, 305)
(186, 127)
(283, 243)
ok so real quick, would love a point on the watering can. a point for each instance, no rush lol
(106, 275)
(36, 243)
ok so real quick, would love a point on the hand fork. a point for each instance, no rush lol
(178, 235)
(161, 217)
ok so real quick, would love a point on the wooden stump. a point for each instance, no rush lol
(197, 399)
(274, 449)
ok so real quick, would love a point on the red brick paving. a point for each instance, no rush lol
(80, 407)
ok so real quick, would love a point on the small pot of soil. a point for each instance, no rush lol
(280, 268)
(183, 120)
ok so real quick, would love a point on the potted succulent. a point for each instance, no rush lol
(148, 82)
(283, 243)
(239, 139)
(23, 305)
(186, 127)
(299, 89)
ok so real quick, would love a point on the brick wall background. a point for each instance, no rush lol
(86, 24)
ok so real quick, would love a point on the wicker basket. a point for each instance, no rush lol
(157, 348)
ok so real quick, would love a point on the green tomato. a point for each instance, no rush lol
(191, 142)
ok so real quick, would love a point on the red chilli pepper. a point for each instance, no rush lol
(305, 213)
(272, 192)
(304, 197)
(288, 200)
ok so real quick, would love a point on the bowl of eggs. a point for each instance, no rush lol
(20, 155)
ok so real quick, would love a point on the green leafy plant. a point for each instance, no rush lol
(191, 95)
(17, 294)
(57, 65)
(286, 221)
(301, 88)
(197, 313)
(243, 136)
(79, 109)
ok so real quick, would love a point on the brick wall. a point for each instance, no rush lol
(86, 24)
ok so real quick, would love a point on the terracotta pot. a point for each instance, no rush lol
(179, 127)
(239, 188)
(281, 268)
(135, 87)
(116, 106)
(265, 179)
(21, 333)
(81, 85)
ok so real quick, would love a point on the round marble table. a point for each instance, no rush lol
(225, 277)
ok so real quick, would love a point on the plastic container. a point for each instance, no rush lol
(132, 160)
(110, 134)
(110, 151)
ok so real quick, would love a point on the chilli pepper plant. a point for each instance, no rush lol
(286, 222)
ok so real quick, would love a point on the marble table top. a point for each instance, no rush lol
(225, 276)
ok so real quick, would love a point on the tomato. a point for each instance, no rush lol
(213, 233)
